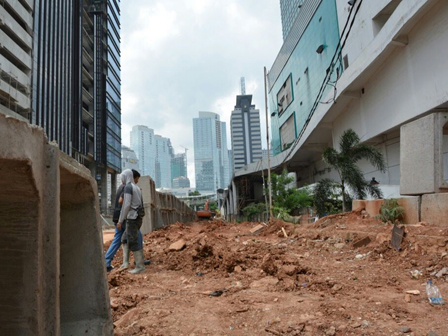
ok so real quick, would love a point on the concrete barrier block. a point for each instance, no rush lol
(435, 209)
(87, 307)
(409, 204)
(50, 240)
(421, 151)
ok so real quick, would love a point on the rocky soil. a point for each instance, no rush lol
(338, 276)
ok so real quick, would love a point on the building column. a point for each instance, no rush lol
(113, 189)
(231, 204)
(103, 200)
(235, 199)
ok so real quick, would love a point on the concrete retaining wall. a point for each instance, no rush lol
(410, 205)
(435, 209)
(53, 279)
(162, 209)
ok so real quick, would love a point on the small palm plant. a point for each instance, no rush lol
(391, 211)
(344, 162)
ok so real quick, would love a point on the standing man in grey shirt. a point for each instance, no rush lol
(132, 203)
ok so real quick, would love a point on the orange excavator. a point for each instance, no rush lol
(205, 214)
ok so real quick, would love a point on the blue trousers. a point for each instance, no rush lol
(116, 243)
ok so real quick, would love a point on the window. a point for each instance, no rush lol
(285, 95)
(346, 62)
(288, 132)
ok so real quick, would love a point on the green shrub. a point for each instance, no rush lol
(391, 211)
(289, 199)
(254, 209)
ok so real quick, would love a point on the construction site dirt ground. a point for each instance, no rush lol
(325, 278)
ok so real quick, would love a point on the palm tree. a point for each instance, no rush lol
(344, 162)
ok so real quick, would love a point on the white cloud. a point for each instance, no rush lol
(181, 57)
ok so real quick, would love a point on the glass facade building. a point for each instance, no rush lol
(211, 156)
(164, 155)
(179, 166)
(144, 145)
(300, 68)
(76, 86)
(289, 10)
(113, 85)
(54, 80)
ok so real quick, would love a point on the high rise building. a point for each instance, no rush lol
(231, 171)
(60, 70)
(154, 153)
(164, 154)
(210, 152)
(181, 182)
(129, 159)
(144, 145)
(179, 166)
(264, 154)
(76, 79)
(16, 63)
(245, 131)
(289, 10)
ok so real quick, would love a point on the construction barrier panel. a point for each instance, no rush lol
(162, 209)
(53, 279)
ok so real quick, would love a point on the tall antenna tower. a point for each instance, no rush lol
(243, 86)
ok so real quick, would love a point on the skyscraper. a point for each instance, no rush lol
(289, 11)
(129, 159)
(179, 166)
(144, 145)
(164, 154)
(245, 131)
(60, 70)
(16, 36)
(211, 155)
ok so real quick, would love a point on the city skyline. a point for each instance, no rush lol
(162, 35)
(211, 155)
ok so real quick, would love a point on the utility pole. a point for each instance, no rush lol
(267, 138)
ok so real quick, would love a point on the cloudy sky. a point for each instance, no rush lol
(184, 56)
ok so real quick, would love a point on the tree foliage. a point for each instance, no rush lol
(254, 209)
(289, 198)
(344, 162)
(194, 193)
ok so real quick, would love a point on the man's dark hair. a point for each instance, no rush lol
(135, 173)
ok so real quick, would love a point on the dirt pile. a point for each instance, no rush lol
(338, 276)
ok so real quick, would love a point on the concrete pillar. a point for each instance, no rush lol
(103, 182)
(113, 190)
(235, 200)
(50, 240)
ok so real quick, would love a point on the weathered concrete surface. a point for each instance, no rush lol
(410, 205)
(435, 209)
(162, 209)
(421, 163)
(53, 279)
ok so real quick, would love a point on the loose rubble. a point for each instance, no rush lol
(338, 276)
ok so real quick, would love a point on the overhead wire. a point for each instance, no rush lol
(329, 72)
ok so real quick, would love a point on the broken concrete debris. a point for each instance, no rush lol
(362, 242)
(442, 272)
(178, 246)
(257, 229)
(306, 271)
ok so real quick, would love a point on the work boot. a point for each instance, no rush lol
(125, 264)
(139, 260)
